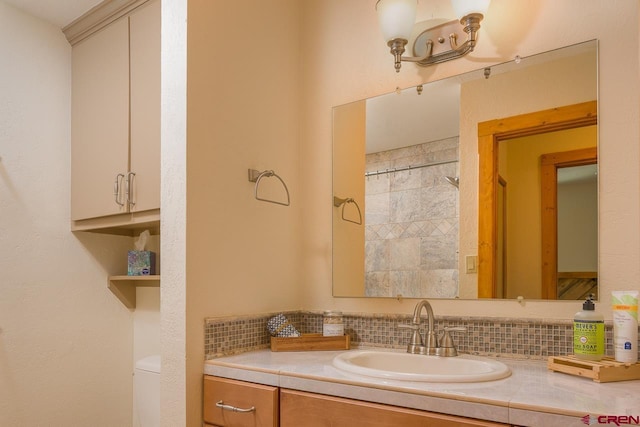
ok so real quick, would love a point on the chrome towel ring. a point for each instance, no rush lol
(337, 202)
(256, 176)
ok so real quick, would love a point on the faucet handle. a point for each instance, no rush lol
(447, 347)
(416, 342)
(412, 326)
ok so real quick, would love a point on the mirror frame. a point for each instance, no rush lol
(490, 133)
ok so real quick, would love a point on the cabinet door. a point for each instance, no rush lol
(243, 395)
(314, 410)
(99, 120)
(145, 106)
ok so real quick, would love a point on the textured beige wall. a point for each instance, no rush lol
(65, 339)
(340, 37)
(242, 255)
(173, 331)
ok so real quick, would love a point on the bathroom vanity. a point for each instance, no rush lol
(304, 388)
(275, 406)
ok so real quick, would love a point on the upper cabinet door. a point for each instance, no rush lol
(145, 107)
(100, 121)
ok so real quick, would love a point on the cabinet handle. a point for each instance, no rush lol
(221, 405)
(129, 189)
(116, 189)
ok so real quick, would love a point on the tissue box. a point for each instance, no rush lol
(141, 263)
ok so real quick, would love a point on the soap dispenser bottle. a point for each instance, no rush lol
(588, 332)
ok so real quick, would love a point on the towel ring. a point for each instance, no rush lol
(337, 202)
(256, 176)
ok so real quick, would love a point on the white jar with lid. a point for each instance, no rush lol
(332, 324)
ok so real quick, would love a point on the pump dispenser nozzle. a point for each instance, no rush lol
(588, 303)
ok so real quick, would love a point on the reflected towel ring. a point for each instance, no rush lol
(256, 176)
(337, 202)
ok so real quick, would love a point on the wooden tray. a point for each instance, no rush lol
(310, 342)
(603, 371)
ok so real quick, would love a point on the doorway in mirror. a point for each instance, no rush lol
(525, 152)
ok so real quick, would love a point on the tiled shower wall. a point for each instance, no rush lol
(524, 338)
(411, 216)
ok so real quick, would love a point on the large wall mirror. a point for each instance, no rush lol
(401, 172)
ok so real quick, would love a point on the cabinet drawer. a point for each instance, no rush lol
(314, 410)
(242, 395)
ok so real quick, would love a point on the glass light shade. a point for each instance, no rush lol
(463, 8)
(396, 18)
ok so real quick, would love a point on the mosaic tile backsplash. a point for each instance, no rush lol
(520, 338)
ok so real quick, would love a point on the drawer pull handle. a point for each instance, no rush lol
(221, 404)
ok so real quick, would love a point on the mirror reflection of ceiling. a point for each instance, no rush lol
(404, 118)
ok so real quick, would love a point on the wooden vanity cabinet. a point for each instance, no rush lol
(299, 408)
(115, 127)
(242, 395)
(291, 408)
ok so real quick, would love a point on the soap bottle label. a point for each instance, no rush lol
(588, 337)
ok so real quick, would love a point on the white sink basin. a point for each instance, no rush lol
(417, 367)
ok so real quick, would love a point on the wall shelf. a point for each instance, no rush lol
(124, 287)
(129, 224)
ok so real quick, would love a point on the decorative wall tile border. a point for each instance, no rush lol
(508, 337)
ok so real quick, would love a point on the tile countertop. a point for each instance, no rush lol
(531, 396)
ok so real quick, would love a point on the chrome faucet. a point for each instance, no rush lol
(418, 345)
(429, 345)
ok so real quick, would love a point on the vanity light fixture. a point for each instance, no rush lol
(397, 19)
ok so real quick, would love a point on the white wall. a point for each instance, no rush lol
(173, 387)
(146, 320)
(65, 340)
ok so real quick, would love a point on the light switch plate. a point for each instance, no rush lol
(471, 264)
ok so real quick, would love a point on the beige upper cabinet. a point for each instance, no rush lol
(115, 155)
(145, 106)
(99, 121)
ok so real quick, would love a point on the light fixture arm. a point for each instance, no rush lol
(471, 25)
(396, 47)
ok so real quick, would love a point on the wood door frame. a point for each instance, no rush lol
(550, 163)
(501, 292)
(490, 133)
